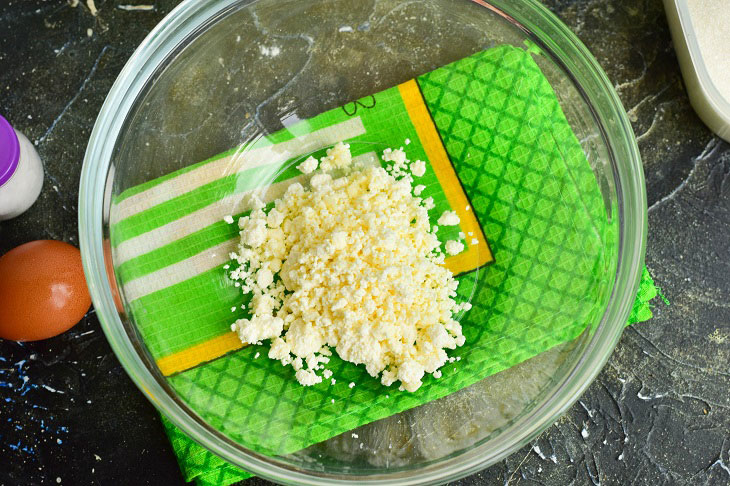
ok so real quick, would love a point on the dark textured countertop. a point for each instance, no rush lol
(659, 413)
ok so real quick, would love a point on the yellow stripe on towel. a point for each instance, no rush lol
(200, 353)
(478, 254)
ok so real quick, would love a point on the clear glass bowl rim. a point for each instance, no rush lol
(551, 34)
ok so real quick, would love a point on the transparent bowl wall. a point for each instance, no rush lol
(206, 79)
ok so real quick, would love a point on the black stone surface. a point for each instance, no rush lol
(657, 414)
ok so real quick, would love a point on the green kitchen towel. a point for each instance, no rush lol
(512, 162)
(207, 469)
(198, 464)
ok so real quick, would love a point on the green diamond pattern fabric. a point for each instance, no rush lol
(539, 204)
(641, 311)
(198, 464)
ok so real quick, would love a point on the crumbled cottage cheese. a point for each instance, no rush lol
(418, 168)
(350, 264)
(399, 167)
(338, 157)
(449, 218)
(308, 166)
(454, 247)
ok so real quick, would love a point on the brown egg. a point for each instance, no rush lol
(42, 290)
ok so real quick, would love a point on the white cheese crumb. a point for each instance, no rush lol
(470, 233)
(399, 167)
(351, 385)
(254, 232)
(259, 328)
(419, 189)
(274, 218)
(410, 372)
(398, 156)
(257, 355)
(474, 241)
(338, 157)
(468, 208)
(418, 168)
(355, 436)
(454, 247)
(89, 32)
(228, 219)
(462, 235)
(352, 264)
(308, 166)
(333, 400)
(255, 202)
(437, 374)
(308, 377)
(449, 218)
(435, 229)
(264, 278)
(233, 309)
(408, 141)
(320, 181)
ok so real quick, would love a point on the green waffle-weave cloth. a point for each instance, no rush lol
(206, 469)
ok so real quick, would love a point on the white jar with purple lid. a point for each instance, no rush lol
(21, 172)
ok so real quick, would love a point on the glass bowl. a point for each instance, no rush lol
(218, 74)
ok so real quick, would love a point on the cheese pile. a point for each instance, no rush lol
(353, 264)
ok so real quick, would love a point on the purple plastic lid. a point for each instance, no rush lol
(9, 151)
